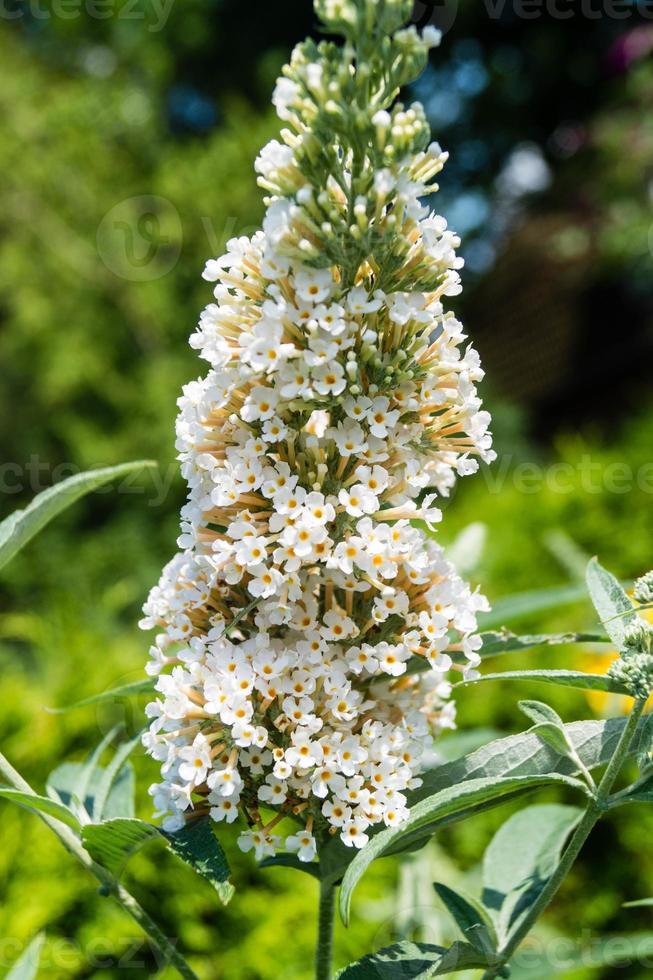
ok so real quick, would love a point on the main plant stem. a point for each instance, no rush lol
(110, 885)
(326, 915)
(595, 809)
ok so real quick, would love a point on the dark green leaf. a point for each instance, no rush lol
(561, 678)
(27, 966)
(612, 604)
(520, 859)
(471, 917)
(198, 846)
(113, 842)
(41, 805)
(414, 961)
(292, 861)
(20, 527)
(435, 810)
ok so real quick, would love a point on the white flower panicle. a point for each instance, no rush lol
(340, 403)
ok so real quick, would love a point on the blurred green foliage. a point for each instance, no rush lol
(93, 349)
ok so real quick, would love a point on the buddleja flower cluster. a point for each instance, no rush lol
(310, 620)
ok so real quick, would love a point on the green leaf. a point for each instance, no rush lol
(615, 609)
(198, 846)
(547, 724)
(471, 917)
(436, 810)
(608, 951)
(284, 860)
(80, 791)
(514, 755)
(64, 779)
(520, 859)
(109, 776)
(561, 678)
(113, 842)
(21, 526)
(525, 754)
(497, 642)
(526, 603)
(414, 961)
(26, 967)
(640, 903)
(127, 690)
(41, 805)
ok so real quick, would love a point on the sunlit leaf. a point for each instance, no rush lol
(559, 678)
(520, 859)
(436, 810)
(20, 527)
(41, 805)
(615, 609)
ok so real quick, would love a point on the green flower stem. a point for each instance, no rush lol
(595, 809)
(110, 884)
(326, 916)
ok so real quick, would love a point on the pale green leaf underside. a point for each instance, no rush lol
(560, 678)
(26, 967)
(431, 812)
(21, 526)
(521, 857)
(41, 805)
(615, 609)
(514, 755)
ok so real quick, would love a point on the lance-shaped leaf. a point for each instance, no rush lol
(434, 811)
(471, 917)
(514, 755)
(560, 678)
(62, 783)
(521, 858)
(414, 961)
(26, 967)
(285, 860)
(615, 609)
(145, 686)
(110, 775)
(20, 527)
(113, 842)
(494, 643)
(641, 903)
(41, 805)
(548, 725)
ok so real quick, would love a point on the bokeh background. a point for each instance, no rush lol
(129, 129)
